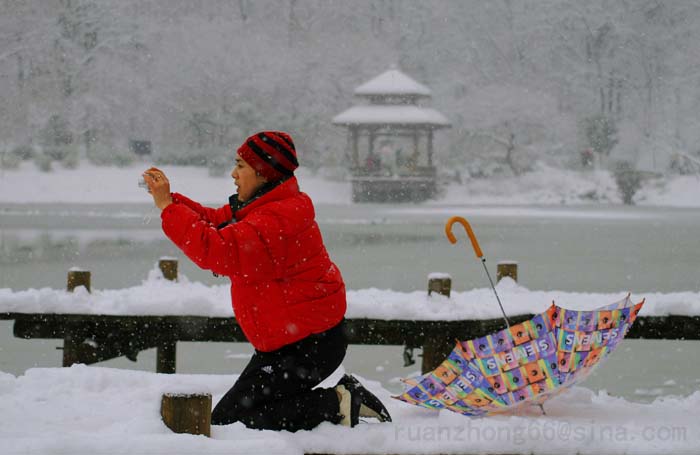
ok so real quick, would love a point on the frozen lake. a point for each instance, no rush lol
(586, 249)
(601, 249)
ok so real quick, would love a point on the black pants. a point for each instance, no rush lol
(274, 391)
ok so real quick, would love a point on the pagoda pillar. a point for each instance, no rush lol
(430, 147)
(416, 152)
(355, 152)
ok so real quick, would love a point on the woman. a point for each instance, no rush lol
(287, 295)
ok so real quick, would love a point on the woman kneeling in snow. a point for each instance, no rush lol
(287, 295)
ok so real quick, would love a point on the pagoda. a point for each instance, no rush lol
(390, 140)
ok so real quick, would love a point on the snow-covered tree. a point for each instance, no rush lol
(125, 70)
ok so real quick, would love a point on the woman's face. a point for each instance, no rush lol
(247, 179)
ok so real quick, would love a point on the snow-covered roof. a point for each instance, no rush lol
(392, 83)
(400, 114)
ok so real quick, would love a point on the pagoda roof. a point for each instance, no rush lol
(385, 115)
(392, 83)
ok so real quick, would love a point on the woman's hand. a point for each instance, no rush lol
(159, 187)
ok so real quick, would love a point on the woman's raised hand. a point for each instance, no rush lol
(158, 186)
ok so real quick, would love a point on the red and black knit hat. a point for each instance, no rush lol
(271, 154)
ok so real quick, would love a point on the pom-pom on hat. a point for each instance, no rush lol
(271, 154)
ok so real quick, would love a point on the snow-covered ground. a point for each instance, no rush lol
(544, 186)
(551, 186)
(93, 410)
(89, 184)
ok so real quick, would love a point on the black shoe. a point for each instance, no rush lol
(367, 404)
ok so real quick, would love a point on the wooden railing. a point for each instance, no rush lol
(90, 338)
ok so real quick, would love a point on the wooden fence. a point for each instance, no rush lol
(90, 338)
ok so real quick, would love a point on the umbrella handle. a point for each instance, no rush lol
(451, 237)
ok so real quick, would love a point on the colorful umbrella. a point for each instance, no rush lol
(525, 363)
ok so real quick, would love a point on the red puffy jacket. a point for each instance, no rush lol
(284, 286)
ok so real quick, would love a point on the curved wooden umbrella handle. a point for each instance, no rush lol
(470, 233)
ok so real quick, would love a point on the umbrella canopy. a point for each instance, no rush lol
(525, 364)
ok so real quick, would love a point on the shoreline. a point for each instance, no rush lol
(545, 186)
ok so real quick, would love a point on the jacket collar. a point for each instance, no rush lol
(272, 191)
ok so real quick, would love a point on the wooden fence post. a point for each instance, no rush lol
(166, 357)
(187, 413)
(166, 351)
(435, 346)
(507, 268)
(168, 266)
(440, 283)
(78, 277)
